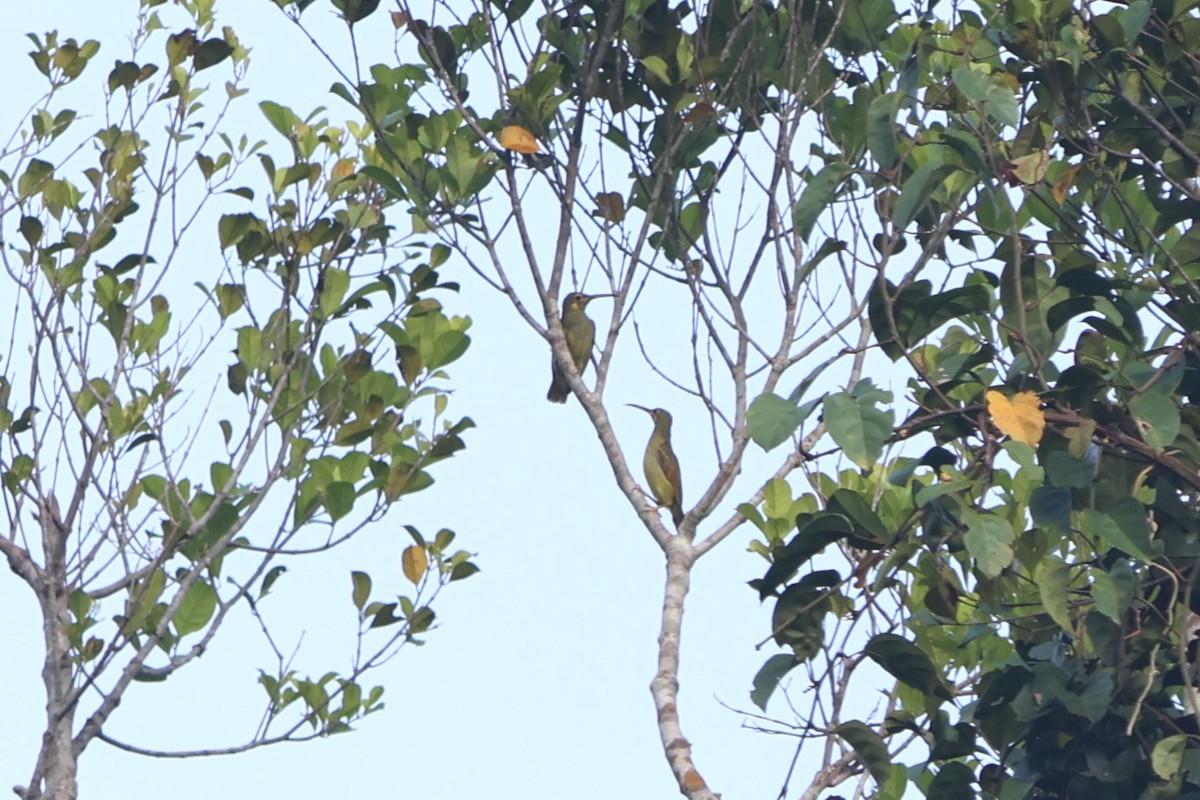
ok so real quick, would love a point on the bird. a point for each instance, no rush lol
(581, 335)
(661, 465)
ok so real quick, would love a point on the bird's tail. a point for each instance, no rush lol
(560, 390)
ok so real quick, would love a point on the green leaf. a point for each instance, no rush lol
(917, 190)
(1135, 540)
(211, 52)
(362, 588)
(421, 620)
(953, 782)
(869, 532)
(1051, 507)
(232, 227)
(1002, 105)
(1113, 591)
(907, 663)
(658, 68)
(231, 297)
(817, 196)
(869, 747)
(799, 616)
(881, 130)
(972, 83)
(339, 499)
(818, 533)
(858, 427)
(31, 229)
(1157, 419)
(1136, 17)
(777, 498)
(768, 677)
(1066, 471)
(462, 570)
(356, 10)
(334, 284)
(196, 609)
(35, 177)
(282, 118)
(447, 348)
(989, 539)
(269, 580)
(220, 473)
(1053, 578)
(1168, 755)
(772, 420)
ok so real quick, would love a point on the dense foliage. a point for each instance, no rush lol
(206, 378)
(1002, 197)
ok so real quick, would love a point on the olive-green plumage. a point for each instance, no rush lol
(661, 465)
(581, 336)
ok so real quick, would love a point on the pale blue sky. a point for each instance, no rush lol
(536, 684)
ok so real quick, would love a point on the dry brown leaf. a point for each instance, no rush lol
(611, 206)
(1064, 183)
(700, 111)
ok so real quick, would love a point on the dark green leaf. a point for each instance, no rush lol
(869, 747)
(881, 130)
(869, 532)
(817, 196)
(813, 537)
(907, 663)
(768, 677)
(1051, 507)
(269, 580)
(211, 52)
(953, 782)
(917, 190)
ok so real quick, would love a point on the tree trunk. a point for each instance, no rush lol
(54, 776)
(665, 686)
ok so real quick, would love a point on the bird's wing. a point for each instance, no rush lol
(669, 464)
(580, 344)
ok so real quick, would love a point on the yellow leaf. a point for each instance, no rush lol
(414, 562)
(1032, 168)
(1064, 184)
(1021, 418)
(514, 137)
(344, 168)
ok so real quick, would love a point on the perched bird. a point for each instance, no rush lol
(581, 335)
(661, 465)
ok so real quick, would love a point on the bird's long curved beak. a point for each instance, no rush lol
(643, 408)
